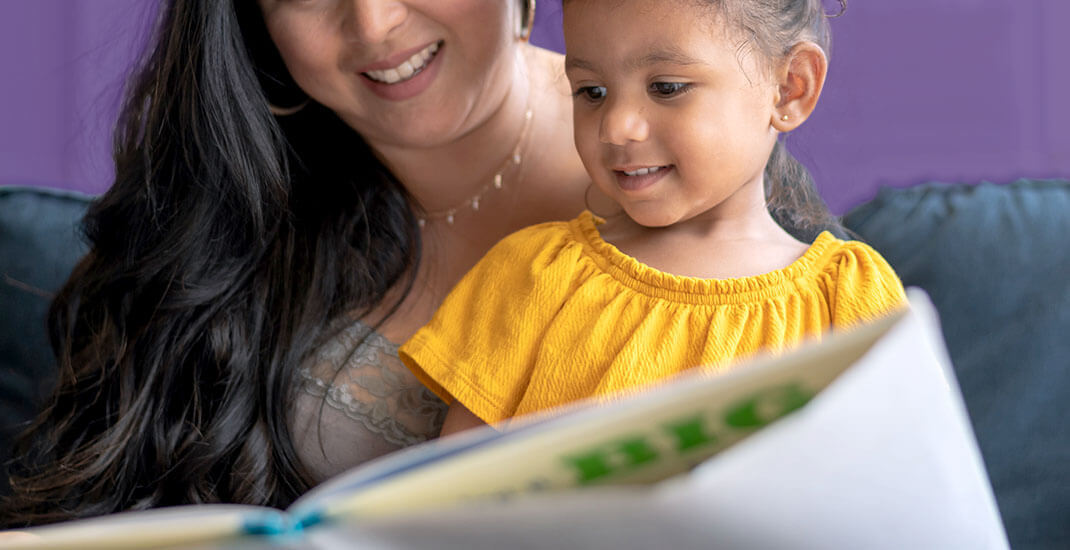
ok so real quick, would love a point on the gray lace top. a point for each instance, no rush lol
(357, 401)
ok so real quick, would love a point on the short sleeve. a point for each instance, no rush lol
(481, 345)
(864, 286)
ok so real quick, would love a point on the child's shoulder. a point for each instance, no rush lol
(545, 233)
(538, 243)
(862, 281)
(850, 254)
(534, 237)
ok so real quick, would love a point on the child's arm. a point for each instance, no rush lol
(459, 419)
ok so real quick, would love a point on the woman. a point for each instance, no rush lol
(298, 185)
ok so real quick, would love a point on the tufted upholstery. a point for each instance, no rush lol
(996, 261)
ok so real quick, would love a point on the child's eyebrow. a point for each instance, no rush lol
(577, 63)
(669, 56)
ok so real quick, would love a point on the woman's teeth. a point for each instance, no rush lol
(407, 69)
(644, 171)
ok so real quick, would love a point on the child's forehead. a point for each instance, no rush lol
(691, 7)
(639, 57)
(643, 32)
(667, 16)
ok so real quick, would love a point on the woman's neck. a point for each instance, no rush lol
(446, 175)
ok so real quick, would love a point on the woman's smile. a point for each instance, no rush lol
(403, 72)
(389, 71)
(399, 80)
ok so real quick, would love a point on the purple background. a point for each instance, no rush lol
(952, 90)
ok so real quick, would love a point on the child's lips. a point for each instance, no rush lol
(634, 179)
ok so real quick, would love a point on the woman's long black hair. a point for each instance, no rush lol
(228, 240)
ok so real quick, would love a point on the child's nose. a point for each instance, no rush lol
(623, 123)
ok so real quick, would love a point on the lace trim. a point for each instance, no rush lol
(357, 371)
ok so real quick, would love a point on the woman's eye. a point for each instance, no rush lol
(591, 93)
(668, 89)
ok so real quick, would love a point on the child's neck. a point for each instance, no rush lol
(707, 247)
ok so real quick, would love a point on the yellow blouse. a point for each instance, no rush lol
(553, 314)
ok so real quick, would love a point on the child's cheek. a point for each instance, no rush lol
(586, 131)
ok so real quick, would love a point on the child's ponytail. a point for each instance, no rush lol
(774, 27)
(793, 200)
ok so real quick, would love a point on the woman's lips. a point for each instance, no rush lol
(393, 72)
(641, 180)
(418, 81)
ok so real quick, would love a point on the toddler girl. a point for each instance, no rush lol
(677, 109)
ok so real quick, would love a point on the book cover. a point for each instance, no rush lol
(640, 439)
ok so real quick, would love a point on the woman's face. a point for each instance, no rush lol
(403, 73)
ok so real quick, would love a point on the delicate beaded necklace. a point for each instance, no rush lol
(497, 182)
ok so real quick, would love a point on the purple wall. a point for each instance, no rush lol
(955, 90)
(62, 64)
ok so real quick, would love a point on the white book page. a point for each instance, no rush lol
(159, 528)
(883, 458)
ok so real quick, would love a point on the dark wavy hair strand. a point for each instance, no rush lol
(217, 257)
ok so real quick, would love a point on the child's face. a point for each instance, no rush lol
(660, 85)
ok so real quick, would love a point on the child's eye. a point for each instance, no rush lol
(668, 89)
(591, 93)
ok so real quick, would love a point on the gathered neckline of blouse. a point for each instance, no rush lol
(695, 290)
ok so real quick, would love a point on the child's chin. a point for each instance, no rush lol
(651, 217)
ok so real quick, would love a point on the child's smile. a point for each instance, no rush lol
(672, 112)
(631, 178)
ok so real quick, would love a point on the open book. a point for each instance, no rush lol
(641, 438)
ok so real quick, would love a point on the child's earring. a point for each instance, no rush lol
(528, 21)
(785, 118)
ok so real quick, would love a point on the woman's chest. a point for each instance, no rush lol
(449, 251)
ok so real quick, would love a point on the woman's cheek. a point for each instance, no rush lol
(308, 53)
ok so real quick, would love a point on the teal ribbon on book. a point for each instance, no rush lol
(280, 524)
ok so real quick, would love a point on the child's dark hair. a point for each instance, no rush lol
(773, 28)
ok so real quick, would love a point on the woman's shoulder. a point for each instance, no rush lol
(560, 177)
(550, 65)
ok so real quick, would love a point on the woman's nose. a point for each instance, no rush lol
(371, 21)
(623, 123)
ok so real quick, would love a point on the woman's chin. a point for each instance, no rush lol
(414, 128)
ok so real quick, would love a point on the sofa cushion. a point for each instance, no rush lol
(39, 244)
(995, 260)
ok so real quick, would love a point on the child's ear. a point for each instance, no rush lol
(800, 78)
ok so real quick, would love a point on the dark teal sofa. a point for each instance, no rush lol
(994, 259)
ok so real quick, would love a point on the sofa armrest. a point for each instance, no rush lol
(40, 241)
(995, 260)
